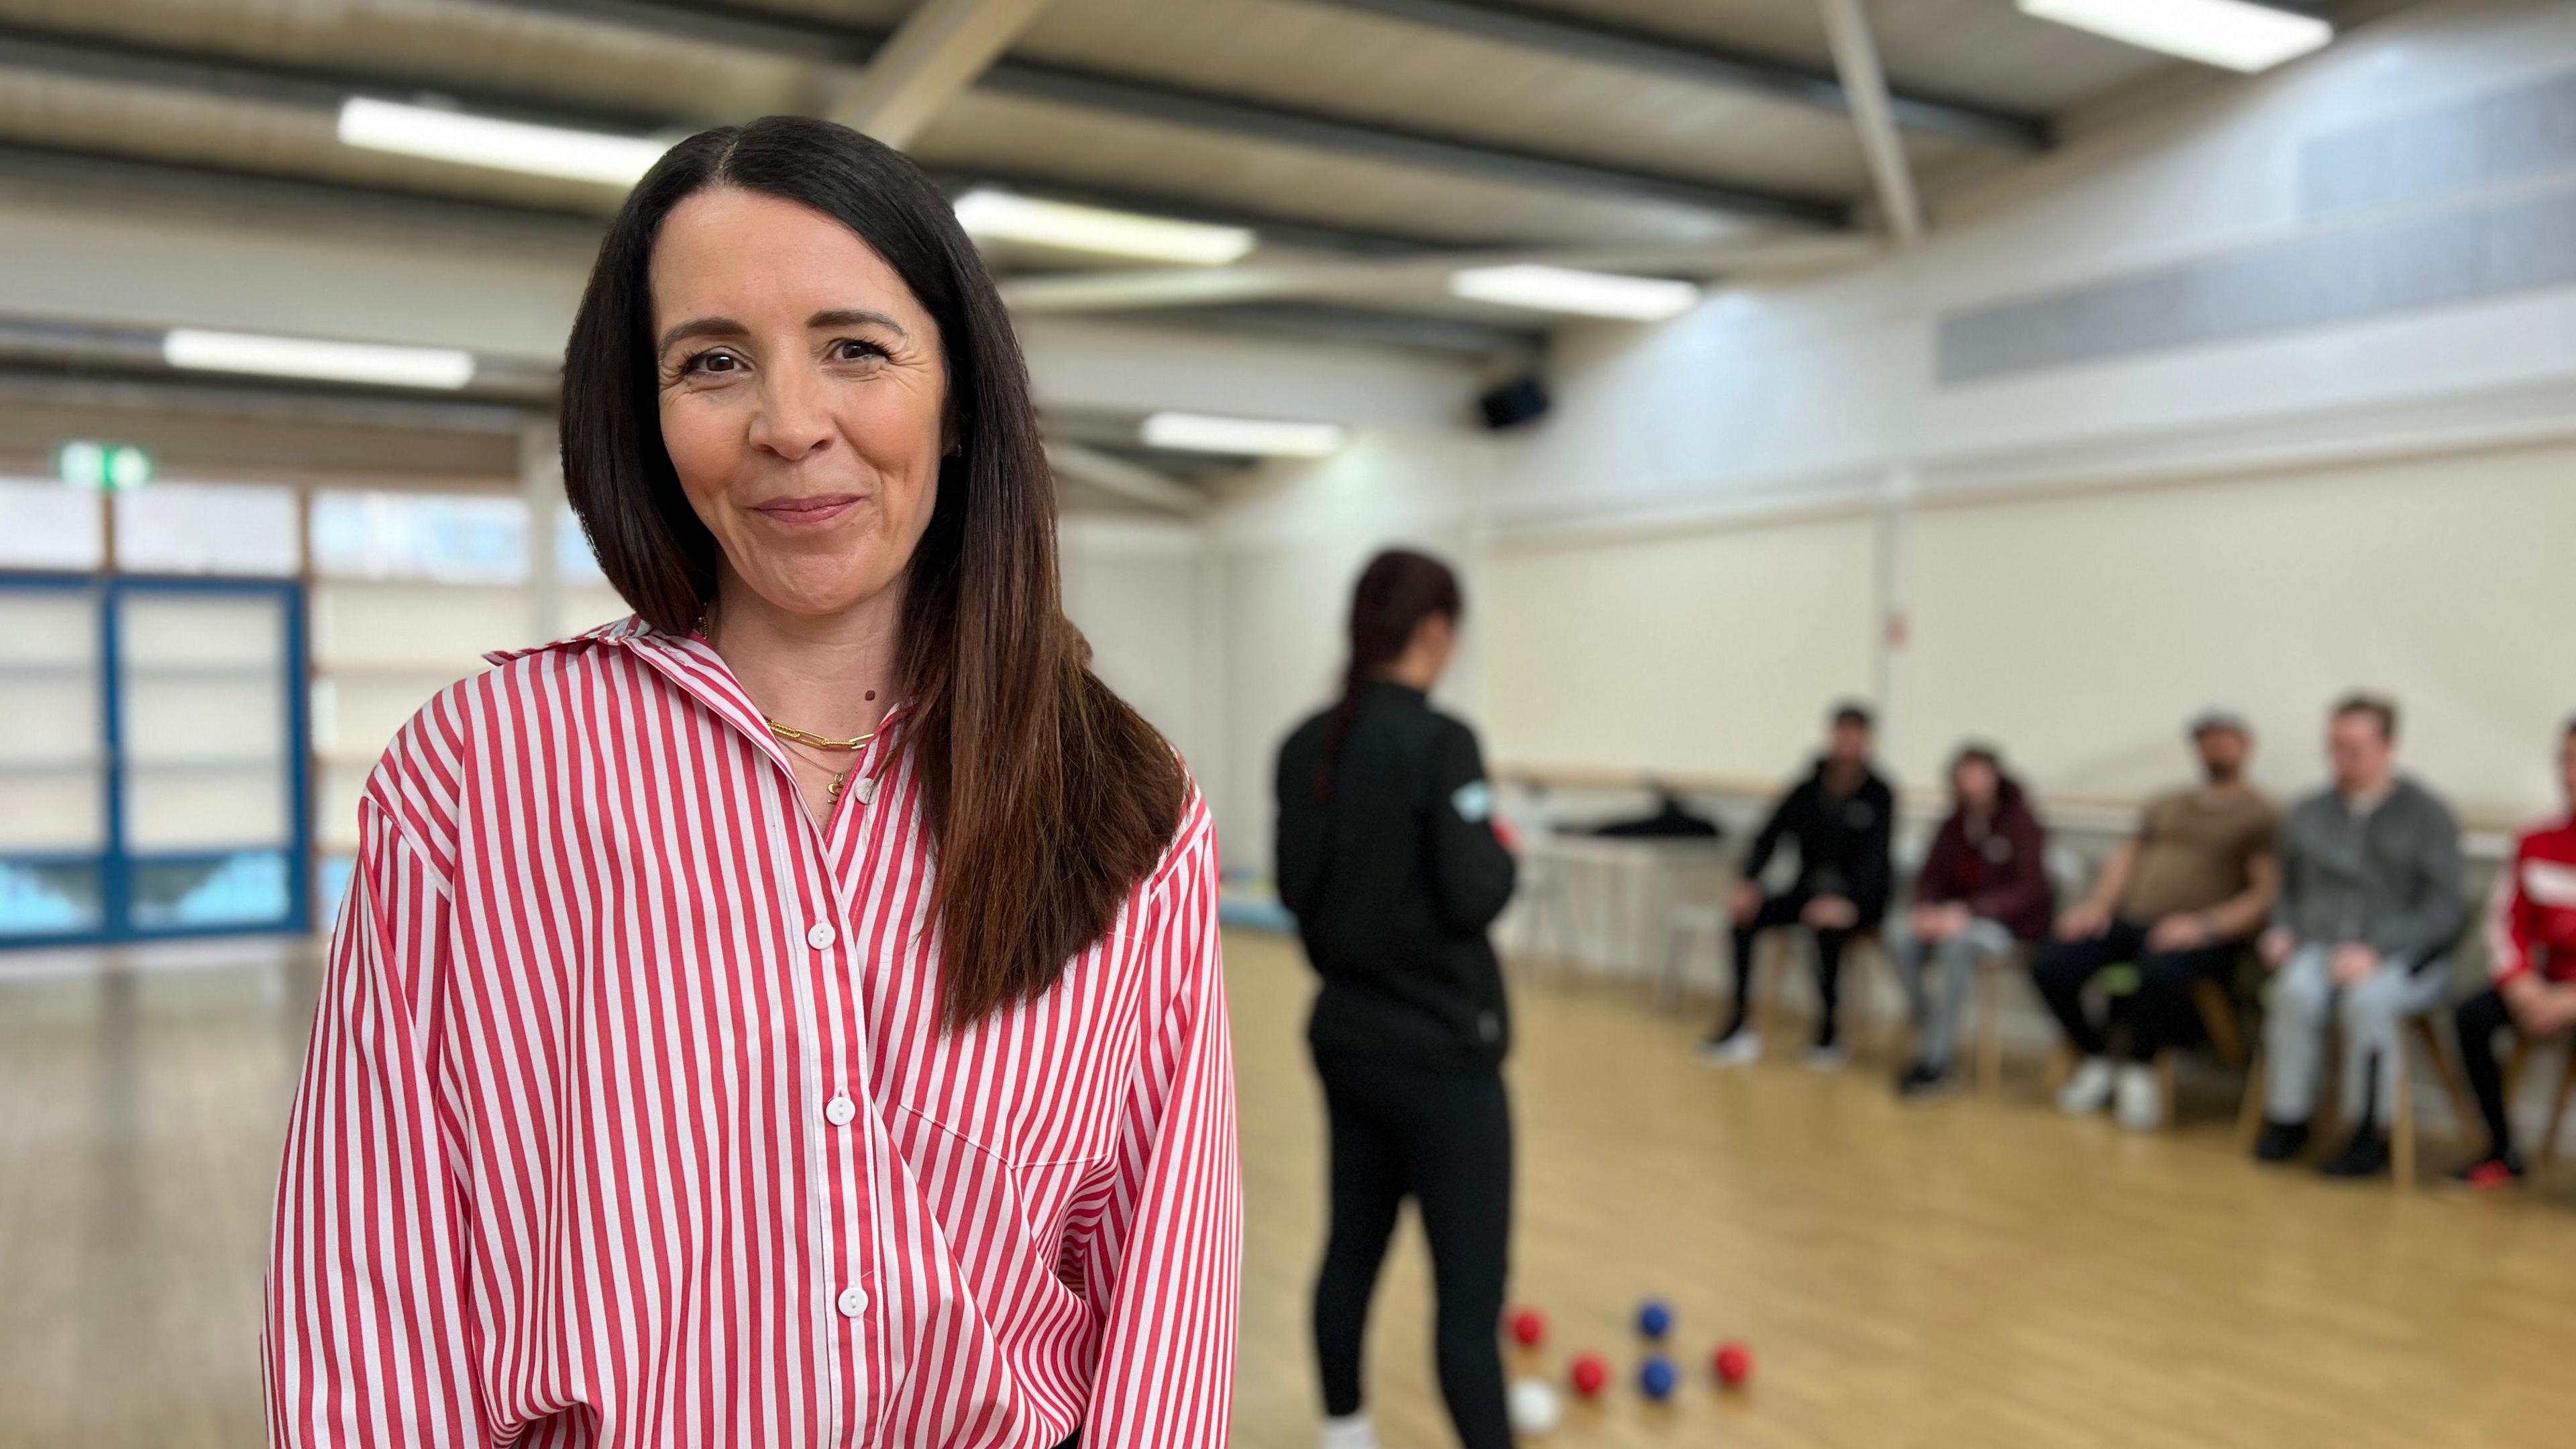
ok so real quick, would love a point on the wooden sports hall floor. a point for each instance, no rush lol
(1953, 1273)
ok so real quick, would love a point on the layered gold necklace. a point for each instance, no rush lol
(789, 734)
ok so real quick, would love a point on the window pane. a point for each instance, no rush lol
(247, 889)
(574, 561)
(206, 528)
(47, 525)
(442, 538)
(48, 899)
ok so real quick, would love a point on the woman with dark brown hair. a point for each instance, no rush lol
(791, 1015)
(1387, 855)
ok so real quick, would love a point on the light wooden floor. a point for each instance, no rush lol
(1946, 1274)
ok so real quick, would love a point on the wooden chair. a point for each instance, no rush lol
(2401, 1116)
(2218, 1021)
(1687, 923)
(2547, 1151)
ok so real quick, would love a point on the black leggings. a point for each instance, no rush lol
(1445, 1140)
(1777, 911)
(2479, 1019)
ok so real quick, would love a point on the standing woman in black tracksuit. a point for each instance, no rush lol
(1387, 856)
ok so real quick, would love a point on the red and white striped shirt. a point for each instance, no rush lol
(628, 1119)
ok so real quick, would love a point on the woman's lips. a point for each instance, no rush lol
(820, 508)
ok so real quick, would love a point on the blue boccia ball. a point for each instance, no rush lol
(1654, 1320)
(1657, 1377)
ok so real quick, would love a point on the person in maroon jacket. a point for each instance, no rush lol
(1984, 888)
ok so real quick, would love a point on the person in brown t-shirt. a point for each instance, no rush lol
(2178, 900)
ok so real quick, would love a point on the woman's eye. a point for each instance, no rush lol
(715, 361)
(850, 349)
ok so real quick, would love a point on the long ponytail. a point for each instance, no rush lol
(1396, 592)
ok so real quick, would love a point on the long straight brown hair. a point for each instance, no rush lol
(1047, 797)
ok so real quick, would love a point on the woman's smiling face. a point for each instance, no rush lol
(803, 396)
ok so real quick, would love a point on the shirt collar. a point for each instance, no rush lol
(700, 672)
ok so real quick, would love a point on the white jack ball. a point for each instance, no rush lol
(1533, 1406)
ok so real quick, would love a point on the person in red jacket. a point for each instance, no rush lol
(2531, 955)
(1984, 889)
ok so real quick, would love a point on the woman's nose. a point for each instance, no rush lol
(793, 419)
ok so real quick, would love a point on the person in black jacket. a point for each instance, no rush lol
(1387, 855)
(1841, 817)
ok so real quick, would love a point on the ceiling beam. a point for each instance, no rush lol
(121, 62)
(1702, 63)
(938, 51)
(1314, 131)
(1113, 474)
(814, 40)
(1172, 287)
(1856, 57)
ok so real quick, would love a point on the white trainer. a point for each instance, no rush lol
(1740, 1050)
(1352, 1431)
(2141, 1099)
(2088, 1089)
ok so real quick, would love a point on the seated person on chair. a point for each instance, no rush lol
(2531, 955)
(1841, 818)
(2176, 901)
(1984, 889)
(2370, 902)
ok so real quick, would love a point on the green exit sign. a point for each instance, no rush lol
(102, 467)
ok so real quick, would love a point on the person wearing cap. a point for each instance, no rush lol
(2531, 964)
(2360, 936)
(2178, 900)
(1842, 820)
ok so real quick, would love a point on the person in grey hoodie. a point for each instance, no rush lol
(2370, 903)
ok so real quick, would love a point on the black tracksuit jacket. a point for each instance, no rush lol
(1394, 872)
(1843, 845)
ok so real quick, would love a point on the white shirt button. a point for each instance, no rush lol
(853, 1301)
(867, 788)
(822, 936)
(840, 1111)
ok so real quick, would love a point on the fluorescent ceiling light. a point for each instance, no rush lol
(2236, 34)
(503, 145)
(1008, 216)
(1250, 437)
(1587, 294)
(441, 367)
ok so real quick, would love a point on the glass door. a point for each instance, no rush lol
(153, 759)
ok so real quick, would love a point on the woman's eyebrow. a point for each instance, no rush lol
(701, 327)
(855, 317)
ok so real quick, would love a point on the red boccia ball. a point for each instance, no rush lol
(1528, 1327)
(1734, 1364)
(1590, 1374)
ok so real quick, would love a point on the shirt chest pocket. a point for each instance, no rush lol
(1002, 1174)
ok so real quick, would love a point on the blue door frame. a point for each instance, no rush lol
(116, 863)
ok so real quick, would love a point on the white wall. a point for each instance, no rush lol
(2081, 553)
(1286, 550)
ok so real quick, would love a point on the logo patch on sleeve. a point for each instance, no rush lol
(1473, 801)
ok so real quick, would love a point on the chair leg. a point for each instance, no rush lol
(2249, 1113)
(2558, 1108)
(1990, 1030)
(2401, 1122)
(2464, 1109)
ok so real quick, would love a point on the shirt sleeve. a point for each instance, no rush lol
(367, 1340)
(1166, 1256)
(1470, 869)
(2510, 930)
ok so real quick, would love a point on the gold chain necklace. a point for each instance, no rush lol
(794, 736)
